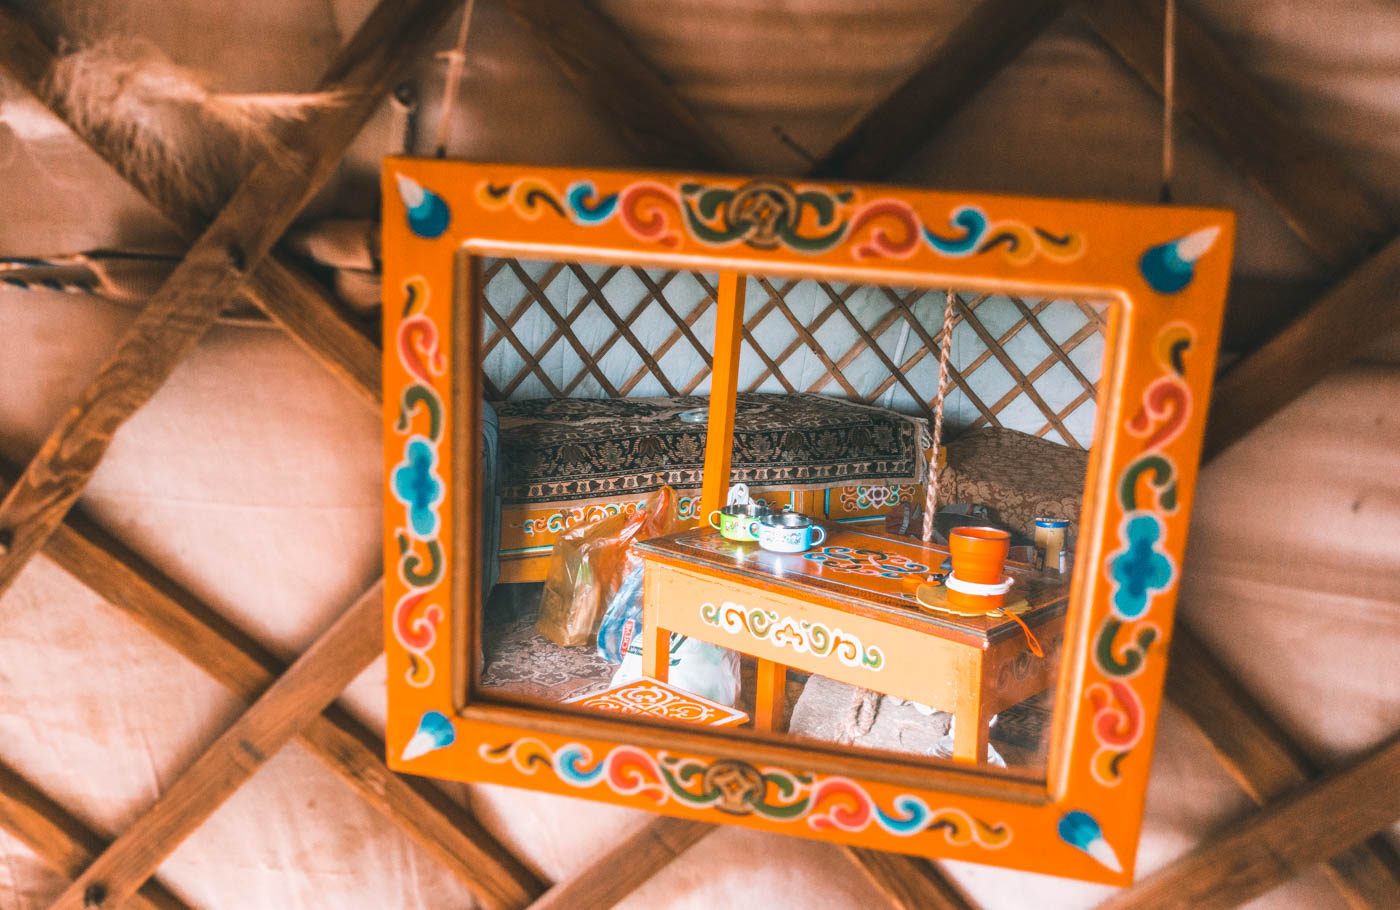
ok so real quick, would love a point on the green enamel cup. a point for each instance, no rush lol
(733, 521)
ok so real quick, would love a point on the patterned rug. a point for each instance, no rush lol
(521, 661)
(571, 449)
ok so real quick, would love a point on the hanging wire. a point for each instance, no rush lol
(456, 61)
(1168, 98)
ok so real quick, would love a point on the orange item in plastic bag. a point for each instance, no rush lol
(589, 563)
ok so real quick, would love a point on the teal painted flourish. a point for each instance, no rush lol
(417, 485)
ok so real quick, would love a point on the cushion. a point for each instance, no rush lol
(1021, 477)
(589, 450)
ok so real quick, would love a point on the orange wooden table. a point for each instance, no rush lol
(847, 610)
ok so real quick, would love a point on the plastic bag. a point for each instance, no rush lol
(623, 620)
(589, 563)
(696, 666)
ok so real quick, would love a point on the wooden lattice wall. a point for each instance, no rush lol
(557, 329)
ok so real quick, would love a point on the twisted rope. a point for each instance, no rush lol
(945, 343)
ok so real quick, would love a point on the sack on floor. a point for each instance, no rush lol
(589, 564)
(696, 666)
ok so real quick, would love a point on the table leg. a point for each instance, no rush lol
(771, 696)
(656, 652)
(970, 731)
(656, 640)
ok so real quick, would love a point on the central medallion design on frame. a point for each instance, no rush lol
(759, 211)
(736, 785)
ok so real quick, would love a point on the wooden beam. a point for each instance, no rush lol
(61, 840)
(1311, 825)
(609, 72)
(908, 882)
(623, 869)
(1259, 306)
(213, 272)
(724, 387)
(1266, 762)
(1327, 207)
(993, 34)
(446, 830)
(277, 287)
(1361, 307)
(321, 673)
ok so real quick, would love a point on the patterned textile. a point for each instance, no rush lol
(1021, 477)
(521, 661)
(574, 450)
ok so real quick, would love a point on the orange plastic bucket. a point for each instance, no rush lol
(979, 554)
(979, 557)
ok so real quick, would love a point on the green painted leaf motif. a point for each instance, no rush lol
(1133, 655)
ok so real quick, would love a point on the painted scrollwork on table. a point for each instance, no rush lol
(801, 635)
(739, 788)
(861, 561)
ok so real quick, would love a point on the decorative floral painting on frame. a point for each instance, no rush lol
(1164, 268)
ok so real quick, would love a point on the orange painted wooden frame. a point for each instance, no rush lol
(1165, 267)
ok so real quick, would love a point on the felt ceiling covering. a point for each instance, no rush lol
(253, 478)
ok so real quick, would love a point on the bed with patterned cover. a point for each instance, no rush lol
(570, 460)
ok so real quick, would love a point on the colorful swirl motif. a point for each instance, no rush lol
(772, 214)
(974, 234)
(859, 561)
(647, 696)
(561, 521)
(803, 636)
(418, 486)
(738, 788)
(1140, 569)
(874, 496)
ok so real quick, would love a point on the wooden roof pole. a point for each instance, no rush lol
(1266, 763)
(62, 841)
(989, 37)
(286, 294)
(186, 305)
(317, 677)
(175, 616)
(1360, 308)
(909, 882)
(1325, 205)
(601, 62)
(1319, 821)
(617, 873)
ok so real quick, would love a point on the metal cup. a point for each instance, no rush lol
(733, 521)
(787, 532)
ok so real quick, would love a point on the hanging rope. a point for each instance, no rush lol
(1168, 98)
(456, 62)
(945, 343)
